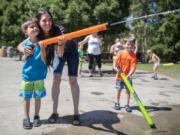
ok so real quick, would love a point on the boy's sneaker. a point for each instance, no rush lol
(128, 108)
(90, 75)
(27, 124)
(76, 120)
(117, 106)
(53, 118)
(36, 122)
(155, 78)
(152, 76)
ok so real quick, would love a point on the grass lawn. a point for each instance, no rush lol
(171, 71)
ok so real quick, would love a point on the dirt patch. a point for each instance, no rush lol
(107, 123)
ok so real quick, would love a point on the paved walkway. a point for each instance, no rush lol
(161, 97)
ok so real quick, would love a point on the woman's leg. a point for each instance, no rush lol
(91, 61)
(55, 91)
(98, 60)
(75, 93)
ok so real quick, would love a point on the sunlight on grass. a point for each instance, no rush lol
(172, 71)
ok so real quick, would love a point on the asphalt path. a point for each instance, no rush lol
(97, 96)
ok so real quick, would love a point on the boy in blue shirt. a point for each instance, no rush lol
(34, 72)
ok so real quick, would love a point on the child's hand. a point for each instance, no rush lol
(28, 51)
(115, 68)
(79, 44)
(129, 77)
(150, 61)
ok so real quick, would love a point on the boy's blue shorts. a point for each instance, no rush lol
(31, 89)
(72, 59)
(120, 84)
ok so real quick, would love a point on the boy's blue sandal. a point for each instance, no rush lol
(155, 78)
(117, 106)
(27, 124)
(128, 108)
(152, 76)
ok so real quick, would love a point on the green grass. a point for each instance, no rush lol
(171, 71)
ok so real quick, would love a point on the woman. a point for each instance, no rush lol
(57, 60)
(93, 50)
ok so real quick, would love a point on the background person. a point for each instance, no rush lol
(93, 50)
(156, 60)
(126, 60)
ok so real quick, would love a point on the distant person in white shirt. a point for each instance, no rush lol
(93, 50)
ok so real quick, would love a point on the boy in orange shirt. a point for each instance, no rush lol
(126, 60)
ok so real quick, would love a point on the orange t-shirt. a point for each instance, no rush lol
(126, 61)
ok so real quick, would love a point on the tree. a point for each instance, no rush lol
(167, 30)
(73, 14)
(160, 33)
(76, 15)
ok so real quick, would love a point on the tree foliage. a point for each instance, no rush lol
(73, 14)
(160, 33)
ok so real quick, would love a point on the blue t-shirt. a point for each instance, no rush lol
(33, 68)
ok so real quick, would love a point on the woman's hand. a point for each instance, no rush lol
(61, 45)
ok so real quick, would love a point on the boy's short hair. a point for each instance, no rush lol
(117, 40)
(127, 40)
(149, 51)
(25, 25)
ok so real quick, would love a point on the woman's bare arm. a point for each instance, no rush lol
(84, 41)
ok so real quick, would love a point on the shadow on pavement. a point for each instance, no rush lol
(163, 78)
(106, 73)
(92, 118)
(143, 72)
(106, 118)
(152, 108)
